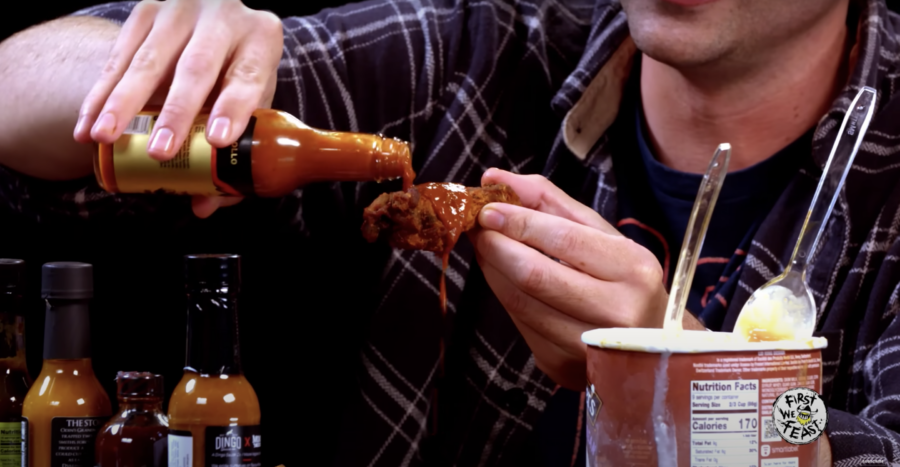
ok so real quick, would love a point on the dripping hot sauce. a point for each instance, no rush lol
(449, 201)
(275, 155)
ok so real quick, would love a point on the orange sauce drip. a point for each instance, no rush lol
(450, 201)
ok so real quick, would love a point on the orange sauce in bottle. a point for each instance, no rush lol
(214, 414)
(67, 406)
(275, 155)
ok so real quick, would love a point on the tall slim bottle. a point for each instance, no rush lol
(214, 416)
(66, 406)
(13, 369)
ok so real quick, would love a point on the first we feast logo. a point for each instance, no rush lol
(800, 416)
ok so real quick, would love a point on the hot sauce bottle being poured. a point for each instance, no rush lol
(66, 406)
(214, 416)
(275, 155)
(136, 436)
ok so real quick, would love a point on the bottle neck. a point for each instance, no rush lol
(287, 153)
(339, 156)
(67, 333)
(139, 404)
(213, 346)
(78, 367)
(12, 328)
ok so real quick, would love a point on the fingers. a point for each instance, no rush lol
(193, 40)
(195, 75)
(205, 206)
(633, 301)
(538, 193)
(603, 256)
(246, 82)
(132, 35)
(147, 69)
(537, 276)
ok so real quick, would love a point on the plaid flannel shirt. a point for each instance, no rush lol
(532, 87)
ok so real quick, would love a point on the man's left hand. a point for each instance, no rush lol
(602, 278)
(825, 459)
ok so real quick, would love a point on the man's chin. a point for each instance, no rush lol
(682, 52)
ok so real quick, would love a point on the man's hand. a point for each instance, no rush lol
(185, 50)
(603, 279)
(825, 459)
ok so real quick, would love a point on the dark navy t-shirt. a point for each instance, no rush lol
(659, 220)
(655, 203)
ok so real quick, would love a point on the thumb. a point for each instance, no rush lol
(205, 206)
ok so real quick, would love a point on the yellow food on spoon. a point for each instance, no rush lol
(770, 319)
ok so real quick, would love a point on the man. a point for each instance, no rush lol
(618, 106)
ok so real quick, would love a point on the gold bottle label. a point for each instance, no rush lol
(190, 172)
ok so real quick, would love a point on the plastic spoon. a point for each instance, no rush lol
(694, 235)
(784, 308)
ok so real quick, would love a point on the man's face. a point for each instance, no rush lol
(695, 33)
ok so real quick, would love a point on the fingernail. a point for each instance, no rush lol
(79, 127)
(220, 129)
(162, 141)
(106, 124)
(492, 219)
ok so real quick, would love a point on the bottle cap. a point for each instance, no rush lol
(67, 281)
(140, 384)
(12, 274)
(213, 271)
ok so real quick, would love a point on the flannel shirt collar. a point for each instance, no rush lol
(591, 96)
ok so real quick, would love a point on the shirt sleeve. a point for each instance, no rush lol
(861, 440)
(376, 67)
(869, 434)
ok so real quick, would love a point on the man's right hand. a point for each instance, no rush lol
(210, 51)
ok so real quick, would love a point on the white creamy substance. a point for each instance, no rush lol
(774, 310)
(663, 424)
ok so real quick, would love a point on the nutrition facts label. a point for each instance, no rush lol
(725, 423)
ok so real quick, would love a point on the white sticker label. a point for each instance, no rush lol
(139, 125)
(181, 450)
(24, 441)
(788, 462)
(725, 423)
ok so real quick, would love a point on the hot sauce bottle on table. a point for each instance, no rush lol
(66, 406)
(275, 155)
(13, 370)
(214, 417)
(136, 436)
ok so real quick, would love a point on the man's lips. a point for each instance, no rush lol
(689, 2)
